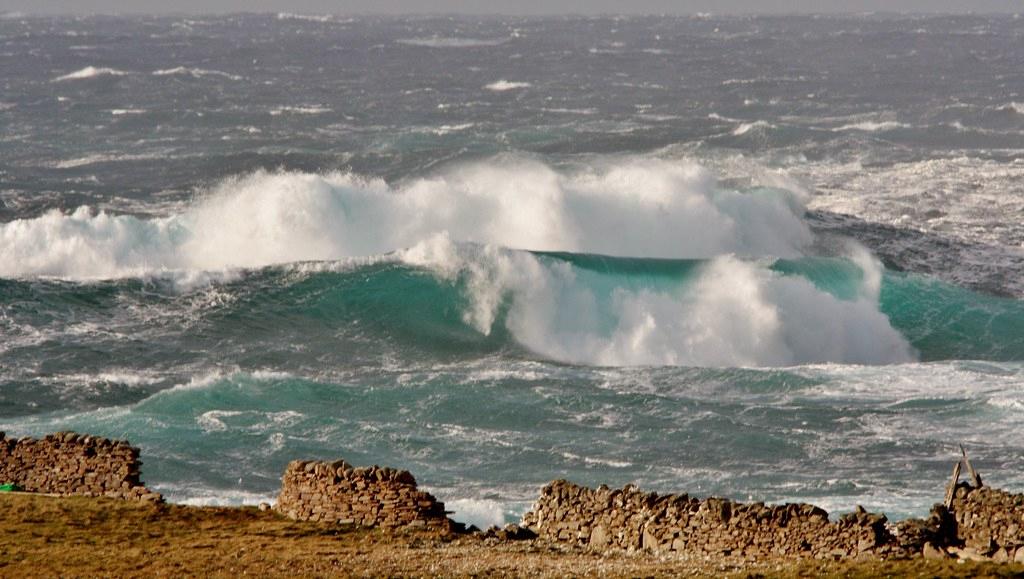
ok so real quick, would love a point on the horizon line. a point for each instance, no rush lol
(701, 14)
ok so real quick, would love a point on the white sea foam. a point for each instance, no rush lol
(90, 72)
(448, 42)
(105, 158)
(210, 421)
(969, 197)
(306, 17)
(872, 126)
(596, 461)
(567, 111)
(300, 110)
(211, 497)
(448, 129)
(194, 72)
(656, 209)
(480, 512)
(505, 85)
(745, 128)
(112, 376)
(973, 200)
(213, 377)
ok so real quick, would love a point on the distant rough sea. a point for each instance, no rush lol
(769, 258)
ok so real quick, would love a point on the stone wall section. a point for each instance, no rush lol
(989, 522)
(632, 520)
(66, 463)
(369, 496)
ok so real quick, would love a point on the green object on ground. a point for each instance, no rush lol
(9, 488)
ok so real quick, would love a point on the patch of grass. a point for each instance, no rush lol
(85, 537)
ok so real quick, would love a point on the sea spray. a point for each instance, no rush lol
(726, 312)
(656, 209)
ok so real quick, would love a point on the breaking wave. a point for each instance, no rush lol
(90, 72)
(628, 207)
(724, 311)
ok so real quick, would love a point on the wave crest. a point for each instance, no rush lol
(90, 72)
(728, 313)
(625, 207)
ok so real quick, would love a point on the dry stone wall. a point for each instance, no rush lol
(632, 520)
(989, 522)
(981, 523)
(367, 496)
(67, 463)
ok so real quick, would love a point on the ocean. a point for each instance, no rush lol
(768, 258)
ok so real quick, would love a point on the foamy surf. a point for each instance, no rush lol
(450, 42)
(506, 85)
(674, 210)
(195, 73)
(731, 313)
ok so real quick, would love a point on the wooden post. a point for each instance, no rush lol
(951, 489)
(975, 477)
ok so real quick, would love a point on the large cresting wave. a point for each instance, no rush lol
(470, 227)
(628, 207)
(720, 312)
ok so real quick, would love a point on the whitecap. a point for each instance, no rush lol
(210, 421)
(505, 85)
(306, 17)
(872, 126)
(90, 72)
(449, 42)
(105, 158)
(659, 209)
(300, 110)
(195, 73)
(480, 512)
(745, 128)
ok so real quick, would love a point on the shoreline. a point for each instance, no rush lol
(381, 512)
(82, 536)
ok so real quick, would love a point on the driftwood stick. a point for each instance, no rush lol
(951, 489)
(975, 477)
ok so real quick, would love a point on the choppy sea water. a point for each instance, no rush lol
(768, 258)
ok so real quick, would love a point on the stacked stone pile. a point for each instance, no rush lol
(66, 463)
(632, 520)
(367, 496)
(989, 523)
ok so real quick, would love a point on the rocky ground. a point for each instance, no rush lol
(87, 537)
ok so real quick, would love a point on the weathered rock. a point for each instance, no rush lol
(629, 519)
(515, 532)
(932, 552)
(988, 520)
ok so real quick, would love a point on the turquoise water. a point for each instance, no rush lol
(376, 363)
